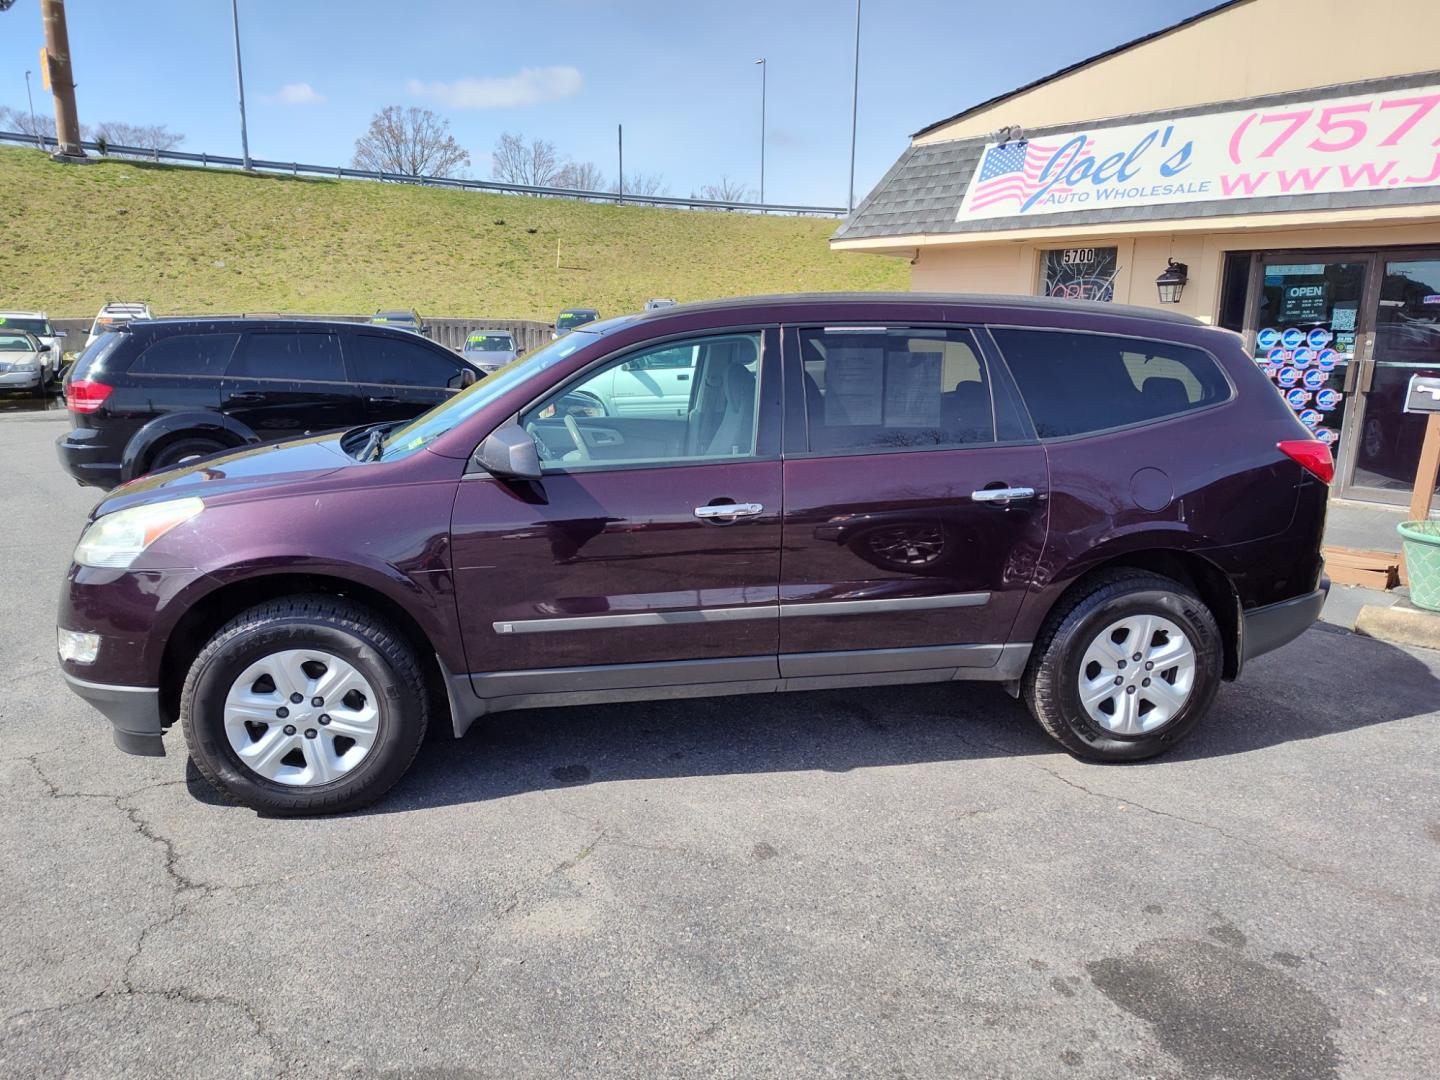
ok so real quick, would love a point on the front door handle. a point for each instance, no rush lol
(725, 512)
(1000, 495)
(248, 397)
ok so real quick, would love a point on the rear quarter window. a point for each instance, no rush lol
(98, 355)
(1076, 383)
(186, 354)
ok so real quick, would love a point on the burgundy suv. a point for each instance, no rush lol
(1105, 510)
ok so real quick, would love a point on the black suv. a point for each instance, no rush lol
(158, 392)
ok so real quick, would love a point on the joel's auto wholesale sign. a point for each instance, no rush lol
(1371, 142)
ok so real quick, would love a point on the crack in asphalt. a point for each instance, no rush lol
(185, 893)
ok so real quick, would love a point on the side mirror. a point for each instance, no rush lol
(509, 451)
(62, 333)
(44, 347)
(462, 378)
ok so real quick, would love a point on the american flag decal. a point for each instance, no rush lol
(1010, 172)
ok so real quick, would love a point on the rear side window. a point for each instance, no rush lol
(94, 360)
(281, 355)
(188, 354)
(1077, 383)
(870, 388)
(393, 361)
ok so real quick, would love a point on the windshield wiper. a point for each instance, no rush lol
(372, 446)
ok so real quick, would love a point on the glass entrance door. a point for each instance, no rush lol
(1308, 323)
(1387, 440)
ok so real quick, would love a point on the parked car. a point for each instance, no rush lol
(37, 323)
(26, 363)
(490, 350)
(407, 319)
(658, 303)
(115, 316)
(1126, 514)
(153, 394)
(571, 319)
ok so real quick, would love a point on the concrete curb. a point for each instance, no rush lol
(1400, 625)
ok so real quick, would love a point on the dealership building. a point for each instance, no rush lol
(1267, 166)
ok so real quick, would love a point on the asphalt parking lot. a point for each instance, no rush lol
(899, 882)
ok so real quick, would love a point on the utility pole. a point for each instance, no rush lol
(854, 106)
(240, 83)
(620, 139)
(764, 68)
(62, 81)
(34, 127)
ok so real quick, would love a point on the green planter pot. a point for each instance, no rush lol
(1421, 542)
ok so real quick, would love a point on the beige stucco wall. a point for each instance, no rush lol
(1014, 267)
(1251, 49)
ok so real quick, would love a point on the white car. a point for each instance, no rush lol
(26, 363)
(116, 316)
(657, 303)
(37, 323)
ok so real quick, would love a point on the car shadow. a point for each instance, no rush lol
(1308, 690)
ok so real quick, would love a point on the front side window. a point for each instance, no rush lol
(689, 401)
(392, 361)
(186, 354)
(877, 388)
(1077, 383)
(281, 355)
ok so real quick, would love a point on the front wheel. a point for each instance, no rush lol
(1126, 667)
(311, 705)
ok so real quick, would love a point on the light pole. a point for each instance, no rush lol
(240, 83)
(34, 129)
(763, 71)
(854, 105)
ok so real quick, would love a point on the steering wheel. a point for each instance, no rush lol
(575, 433)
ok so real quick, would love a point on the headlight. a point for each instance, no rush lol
(25, 365)
(117, 539)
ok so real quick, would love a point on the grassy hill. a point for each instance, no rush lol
(192, 240)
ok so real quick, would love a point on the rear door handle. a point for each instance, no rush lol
(728, 511)
(248, 396)
(383, 400)
(996, 495)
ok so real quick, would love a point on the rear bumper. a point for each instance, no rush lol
(1269, 627)
(87, 458)
(134, 711)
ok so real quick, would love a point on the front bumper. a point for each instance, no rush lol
(22, 380)
(1269, 627)
(133, 710)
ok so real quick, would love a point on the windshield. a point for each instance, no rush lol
(15, 343)
(568, 320)
(427, 427)
(489, 343)
(395, 317)
(38, 327)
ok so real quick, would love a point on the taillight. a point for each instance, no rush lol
(1311, 454)
(84, 396)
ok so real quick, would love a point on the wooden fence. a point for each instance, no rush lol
(450, 331)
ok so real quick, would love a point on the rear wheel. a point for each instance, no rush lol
(184, 449)
(1125, 667)
(311, 705)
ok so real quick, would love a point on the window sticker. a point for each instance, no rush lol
(1268, 338)
(1327, 399)
(1342, 317)
(1297, 399)
(1326, 359)
(1314, 379)
(1278, 356)
(1287, 377)
(1292, 338)
(1318, 338)
(1311, 419)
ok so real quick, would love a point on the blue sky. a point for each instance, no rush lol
(679, 75)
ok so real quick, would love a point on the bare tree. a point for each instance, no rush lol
(582, 176)
(518, 162)
(646, 184)
(726, 190)
(112, 132)
(412, 142)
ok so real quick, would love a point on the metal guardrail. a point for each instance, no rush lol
(340, 172)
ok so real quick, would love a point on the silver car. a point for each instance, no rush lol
(26, 363)
(489, 350)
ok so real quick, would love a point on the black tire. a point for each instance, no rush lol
(1051, 683)
(337, 626)
(187, 446)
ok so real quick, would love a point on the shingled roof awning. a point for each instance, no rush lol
(923, 192)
